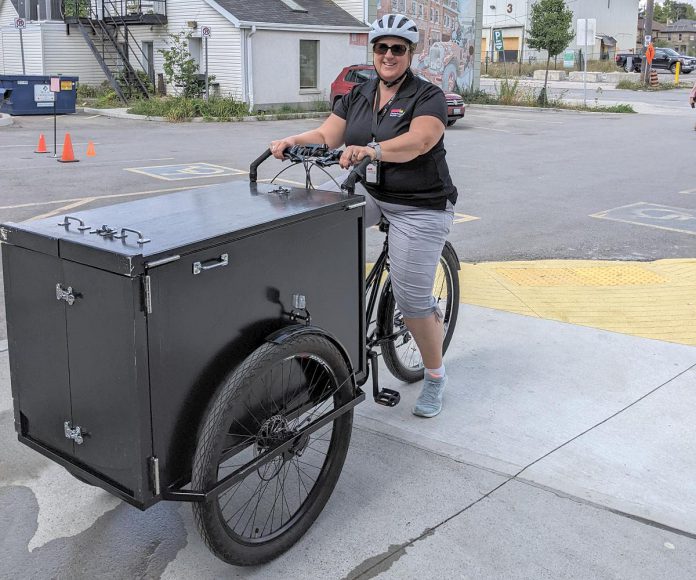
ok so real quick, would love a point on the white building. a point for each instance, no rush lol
(263, 52)
(615, 30)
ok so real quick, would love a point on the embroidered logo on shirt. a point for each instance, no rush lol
(396, 113)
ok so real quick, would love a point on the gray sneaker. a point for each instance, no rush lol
(429, 402)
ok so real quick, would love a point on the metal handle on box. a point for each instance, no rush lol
(66, 223)
(141, 240)
(199, 267)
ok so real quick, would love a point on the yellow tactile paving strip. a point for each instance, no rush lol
(649, 299)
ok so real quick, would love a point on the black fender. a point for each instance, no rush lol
(288, 332)
(454, 253)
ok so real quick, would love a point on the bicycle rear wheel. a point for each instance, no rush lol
(274, 393)
(401, 354)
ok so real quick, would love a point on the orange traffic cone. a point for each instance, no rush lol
(68, 155)
(90, 149)
(41, 147)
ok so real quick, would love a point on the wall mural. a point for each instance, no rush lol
(447, 39)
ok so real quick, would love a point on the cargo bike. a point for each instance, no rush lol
(208, 346)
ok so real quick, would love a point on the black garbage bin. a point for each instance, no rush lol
(31, 95)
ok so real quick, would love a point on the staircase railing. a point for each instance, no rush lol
(117, 39)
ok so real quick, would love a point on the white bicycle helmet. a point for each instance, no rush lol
(394, 25)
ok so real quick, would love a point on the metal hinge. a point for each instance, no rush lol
(66, 295)
(73, 433)
(148, 294)
(154, 475)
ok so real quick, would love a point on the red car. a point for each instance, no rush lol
(359, 73)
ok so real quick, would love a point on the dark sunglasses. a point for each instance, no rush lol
(396, 49)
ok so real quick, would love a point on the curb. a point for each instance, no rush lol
(123, 114)
(5, 120)
(545, 110)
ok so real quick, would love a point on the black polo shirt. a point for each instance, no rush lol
(424, 181)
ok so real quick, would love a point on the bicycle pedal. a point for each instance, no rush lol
(388, 398)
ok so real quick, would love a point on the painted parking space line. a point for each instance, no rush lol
(688, 190)
(181, 171)
(75, 144)
(101, 164)
(111, 196)
(462, 217)
(652, 215)
(61, 209)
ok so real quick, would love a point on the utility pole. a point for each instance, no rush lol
(645, 69)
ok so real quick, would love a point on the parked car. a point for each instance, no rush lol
(665, 58)
(359, 73)
(689, 63)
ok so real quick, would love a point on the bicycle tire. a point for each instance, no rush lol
(252, 410)
(401, 355)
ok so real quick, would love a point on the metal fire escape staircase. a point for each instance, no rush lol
(105, 26)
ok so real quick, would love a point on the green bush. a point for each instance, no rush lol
(109, 99)
(639, 86)
(183, 108)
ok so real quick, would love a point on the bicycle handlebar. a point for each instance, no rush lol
(258, 161)
(319, 154)
(358, 172)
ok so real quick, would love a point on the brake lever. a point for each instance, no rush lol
(331, 158)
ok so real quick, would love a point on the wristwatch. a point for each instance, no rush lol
(378, 150)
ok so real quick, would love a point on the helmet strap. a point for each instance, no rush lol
(390, 84)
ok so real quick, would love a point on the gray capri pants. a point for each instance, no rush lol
(416, 238)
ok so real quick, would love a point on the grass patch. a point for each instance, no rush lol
(639, 86)
(98, 96)
(619, 108)
(509, 92)
(178, 109)
(499, 70)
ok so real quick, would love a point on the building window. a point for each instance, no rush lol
(309, 63)
(358, 39)
(680, 37)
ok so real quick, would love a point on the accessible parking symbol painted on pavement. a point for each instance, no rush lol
(186, 171)
(664, 217)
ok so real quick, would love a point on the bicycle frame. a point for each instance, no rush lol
(318, 155)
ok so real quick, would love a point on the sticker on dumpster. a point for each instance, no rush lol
(186, 171)
(43, 97)
(66, 85)
(664, 217)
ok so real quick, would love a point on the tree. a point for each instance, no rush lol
(550, 30)
(659, 14)
(674, 11)
(180, 68)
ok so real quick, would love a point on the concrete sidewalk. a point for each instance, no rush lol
(563, 451)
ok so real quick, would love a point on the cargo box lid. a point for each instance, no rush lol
(173, 224)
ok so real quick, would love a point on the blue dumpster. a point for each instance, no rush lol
(31, 95)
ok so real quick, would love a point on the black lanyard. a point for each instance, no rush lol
(378, 115)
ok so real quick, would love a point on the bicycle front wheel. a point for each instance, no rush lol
(266, 401)
(400, 353)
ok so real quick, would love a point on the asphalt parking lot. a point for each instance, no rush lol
(533, 184)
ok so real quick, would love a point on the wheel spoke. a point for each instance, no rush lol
(280, 487)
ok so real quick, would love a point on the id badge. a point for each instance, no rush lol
(373, 173)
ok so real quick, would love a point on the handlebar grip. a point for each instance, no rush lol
(252, 168)
(358, 172)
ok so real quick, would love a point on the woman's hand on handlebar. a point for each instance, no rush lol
(278, 147)
(354, 154)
